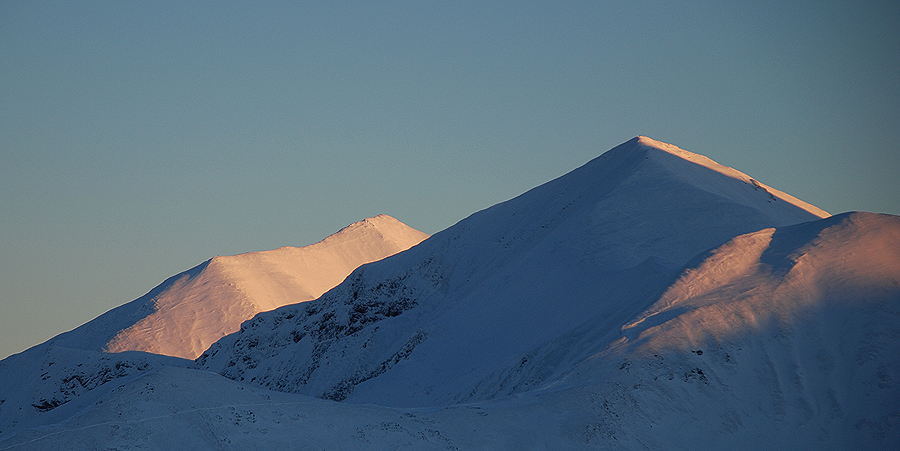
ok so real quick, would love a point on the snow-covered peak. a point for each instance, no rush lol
(381, 226)
(486, 293)
(190, 311)
(675, 150)
(708, 163)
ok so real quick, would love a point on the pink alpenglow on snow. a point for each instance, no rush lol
(190, 311)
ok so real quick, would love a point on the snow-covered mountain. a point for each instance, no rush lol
(188, 312)
(448, 320)
(184, 315)
(651, 299)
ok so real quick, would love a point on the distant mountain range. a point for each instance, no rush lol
(650, 299)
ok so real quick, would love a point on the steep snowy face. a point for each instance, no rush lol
(469, 313)
(190, 311)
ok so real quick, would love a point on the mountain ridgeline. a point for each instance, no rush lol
(583, 252)
(188, 312)
(650, 299)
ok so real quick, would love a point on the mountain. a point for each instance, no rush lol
(446, 321)
(182, 316)
(188, 312)
(784, 338)
(651, 299)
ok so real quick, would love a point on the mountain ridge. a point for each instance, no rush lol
(627, 215)
(707, 162)
(189, 311)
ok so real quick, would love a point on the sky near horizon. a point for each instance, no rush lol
(140, 139)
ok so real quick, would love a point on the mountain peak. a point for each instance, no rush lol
(379, 220)
(708, 163)
(593, 243)
(190, 311)
(648, 141)
(383, 223)
(685, 154)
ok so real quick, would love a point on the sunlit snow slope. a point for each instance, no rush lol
(190, 311)
(467, 315)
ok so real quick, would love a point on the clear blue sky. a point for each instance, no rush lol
(138, 139)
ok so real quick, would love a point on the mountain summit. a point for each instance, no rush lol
(188, 312)
(697, 178)
(581, 252)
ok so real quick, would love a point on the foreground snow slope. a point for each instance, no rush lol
(785, 338)
(468, 314)
(47, 384)
(177, 409)
(190, 311)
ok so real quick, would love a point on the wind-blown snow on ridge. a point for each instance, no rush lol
(771, 277)
(445, 322)
(708, 163)
(190, 311)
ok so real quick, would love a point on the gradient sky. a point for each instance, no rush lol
(138, 139)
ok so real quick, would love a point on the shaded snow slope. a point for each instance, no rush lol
(47, 384)
(468, 314)
(190, 311)
(178, 409)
